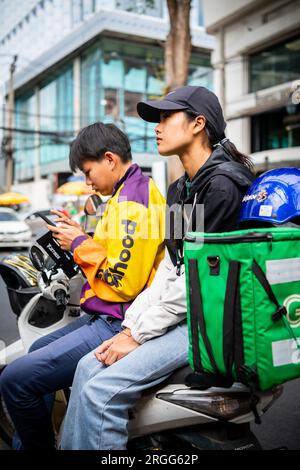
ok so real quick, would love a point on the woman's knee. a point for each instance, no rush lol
(86, 364)
(91, 399)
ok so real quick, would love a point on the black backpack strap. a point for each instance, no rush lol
(194, 316)
(232, 317)
(260, 275)
(203, 381)
(239, 357)
(197, 319)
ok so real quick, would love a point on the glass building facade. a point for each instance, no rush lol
(275, 65)
(56, 109)
(276, 129)
(51, 111)
(25, 143)
(114, 76)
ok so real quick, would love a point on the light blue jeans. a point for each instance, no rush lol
(101, 396)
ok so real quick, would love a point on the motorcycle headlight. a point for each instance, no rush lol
(220, 405)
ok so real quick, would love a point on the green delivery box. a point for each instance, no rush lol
(243, 297)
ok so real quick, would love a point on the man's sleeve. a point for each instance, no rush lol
(168, 310)
(119, 272)
(151, 295)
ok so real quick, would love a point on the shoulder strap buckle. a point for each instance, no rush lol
(280, 312)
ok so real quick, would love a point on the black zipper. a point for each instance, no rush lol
(251, 237)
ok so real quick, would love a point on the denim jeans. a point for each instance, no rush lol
(50, 366)
(101, 396)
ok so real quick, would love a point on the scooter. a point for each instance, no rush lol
(168, 415)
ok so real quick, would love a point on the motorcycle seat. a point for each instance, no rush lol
(178, 377)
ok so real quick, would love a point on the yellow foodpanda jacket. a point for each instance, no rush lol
(122, 257)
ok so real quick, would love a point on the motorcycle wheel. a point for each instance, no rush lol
(6, 426)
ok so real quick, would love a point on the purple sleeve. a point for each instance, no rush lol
(77, 241)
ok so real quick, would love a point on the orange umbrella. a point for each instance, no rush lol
(76, 188)
(11, 198)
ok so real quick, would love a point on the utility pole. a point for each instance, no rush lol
(37, 138)
(10, 124)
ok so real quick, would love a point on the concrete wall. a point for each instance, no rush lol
(217, 13)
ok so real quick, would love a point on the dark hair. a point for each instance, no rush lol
(93, 141)
(228, 146)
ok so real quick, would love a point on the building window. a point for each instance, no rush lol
(130, 100)
(200, 13)
(143, 7)
(88, 7)
(275, 65)
(111, 104)
(276, 129)
(77, 11)
(90, 96)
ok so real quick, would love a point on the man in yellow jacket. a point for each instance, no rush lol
(119, 261)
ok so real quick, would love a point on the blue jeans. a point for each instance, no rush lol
(101, 397)
(49, 367)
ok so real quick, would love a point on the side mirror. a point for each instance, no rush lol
(91, 204)
(37, 258)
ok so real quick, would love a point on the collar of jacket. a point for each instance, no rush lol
(219, 160)
(133, 171)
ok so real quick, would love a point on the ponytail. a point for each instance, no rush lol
(225, 143)
(229, 148)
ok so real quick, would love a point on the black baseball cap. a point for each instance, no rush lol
(197, 99)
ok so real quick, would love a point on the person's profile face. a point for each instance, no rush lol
(99, 175)
(173, 133)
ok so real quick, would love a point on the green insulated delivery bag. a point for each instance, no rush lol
(243, 297)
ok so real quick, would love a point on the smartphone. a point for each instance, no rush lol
(48, 221)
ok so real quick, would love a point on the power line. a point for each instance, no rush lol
(51, 116)
(32, 131)
(34, 147)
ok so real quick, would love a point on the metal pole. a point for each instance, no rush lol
(37, 138)
(10, 134)
(222, 68)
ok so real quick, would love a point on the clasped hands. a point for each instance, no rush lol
(113, 349)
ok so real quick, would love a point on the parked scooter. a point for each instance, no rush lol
(171, 414)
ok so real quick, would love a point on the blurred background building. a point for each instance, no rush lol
(257, 66)
(79, 61)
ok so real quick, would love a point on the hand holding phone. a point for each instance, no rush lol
(65, 219)
(64, 234)
(48, 221)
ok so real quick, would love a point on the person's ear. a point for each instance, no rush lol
(111, 159)
(199, 124)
